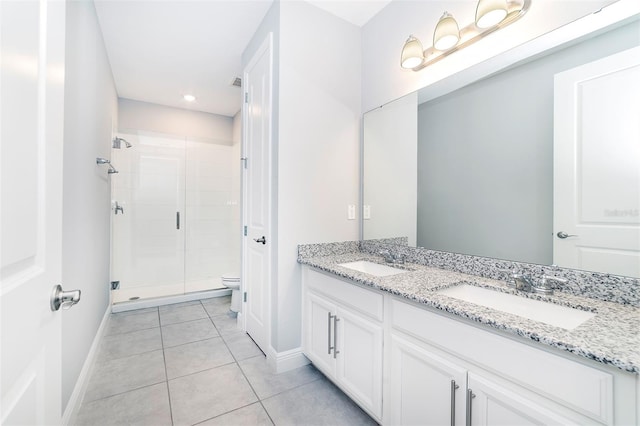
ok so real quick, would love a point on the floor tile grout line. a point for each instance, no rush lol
(224, 337)
(194, 341)
(241, 370)
(231, 411)
(184, 322)
(295, 387)
(132, 331)
(235, 361)
(123, 392)
(107, 360)
(166, 375)
(201, 371)
(250, 384)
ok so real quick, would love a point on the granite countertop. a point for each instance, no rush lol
(611, 337)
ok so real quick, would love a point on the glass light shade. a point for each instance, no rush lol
(412, 53)
(490, 12)
(447, 33)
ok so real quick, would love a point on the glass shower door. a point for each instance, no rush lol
(148, 235)
(212, 222)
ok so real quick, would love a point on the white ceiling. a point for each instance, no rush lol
(357, 12)
(160, 50)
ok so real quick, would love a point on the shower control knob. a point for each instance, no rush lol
(262, 240)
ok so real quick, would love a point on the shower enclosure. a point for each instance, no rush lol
(176, 218)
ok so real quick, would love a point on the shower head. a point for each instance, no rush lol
(118, 141)
(100, 160)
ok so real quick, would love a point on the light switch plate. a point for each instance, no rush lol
(351, 212)
(366, 212)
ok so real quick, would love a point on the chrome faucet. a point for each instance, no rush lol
(389, 257)
(543, 286)
(524, 282)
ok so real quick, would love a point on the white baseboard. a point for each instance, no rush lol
(279, 362)
(71, 412)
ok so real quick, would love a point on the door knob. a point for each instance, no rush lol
(260, 240)
(564, 235)
(63, 299)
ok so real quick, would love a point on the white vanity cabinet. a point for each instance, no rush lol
(429, 388)
(501, 381)
(493, 403)
(407, 364)
(343, 332)
(424, 388)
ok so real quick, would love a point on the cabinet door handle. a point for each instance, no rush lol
(335, 336)
(453, 402)
(329, 347)
(177, 220)
(470, 396)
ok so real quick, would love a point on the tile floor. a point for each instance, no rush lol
(188, 364)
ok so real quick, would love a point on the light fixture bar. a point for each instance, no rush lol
(432, 55)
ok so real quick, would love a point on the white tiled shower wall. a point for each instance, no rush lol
(158, 177)
(181, 161)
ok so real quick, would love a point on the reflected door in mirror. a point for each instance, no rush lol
(597, 165)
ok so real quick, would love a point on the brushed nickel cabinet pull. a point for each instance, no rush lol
(329, 347)
(470, 396)
(335, 336)
(453, 402)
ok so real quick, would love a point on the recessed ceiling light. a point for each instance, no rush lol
(189, 98)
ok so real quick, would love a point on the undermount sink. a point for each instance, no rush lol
(372, 268)
(548, 313)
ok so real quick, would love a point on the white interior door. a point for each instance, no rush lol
(597, 165)
(257, 208)
(32, 81)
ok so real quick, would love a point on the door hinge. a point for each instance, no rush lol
(246, 97)
(245, 230)
(115, 285)
(245, 296)
(244, 161)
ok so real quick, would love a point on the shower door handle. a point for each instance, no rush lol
(119, 208)
(177, 220)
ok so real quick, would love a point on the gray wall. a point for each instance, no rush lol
(196, 125)
(90, 116)
(485, 155)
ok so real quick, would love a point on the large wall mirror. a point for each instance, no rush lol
(472, 171)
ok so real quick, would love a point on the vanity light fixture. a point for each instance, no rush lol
(491, 15)
(447, 33)
(412, 53)
(490, 12)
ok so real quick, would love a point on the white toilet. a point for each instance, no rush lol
(232, 281)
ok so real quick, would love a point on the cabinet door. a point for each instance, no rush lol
(319, 332)
(494, 404)
(359, 359)
(421, 388)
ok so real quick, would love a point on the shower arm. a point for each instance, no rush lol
(117, 143)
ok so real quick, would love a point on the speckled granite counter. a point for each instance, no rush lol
(611, 337)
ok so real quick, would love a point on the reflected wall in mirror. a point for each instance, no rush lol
(484, 158)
